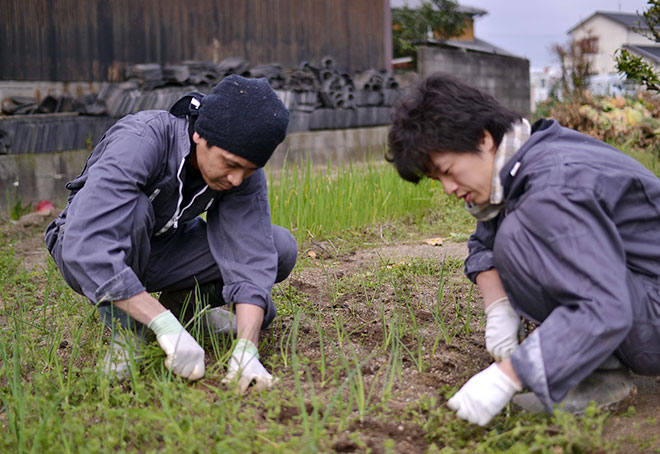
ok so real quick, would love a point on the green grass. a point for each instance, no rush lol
(649, 159)
(321, 203)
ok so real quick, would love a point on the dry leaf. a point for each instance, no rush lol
(434, 241)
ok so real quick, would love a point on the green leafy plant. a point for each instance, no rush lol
(18, 209)
(634, 67)
(439, 18)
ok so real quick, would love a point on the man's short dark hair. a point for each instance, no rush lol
(441, 113)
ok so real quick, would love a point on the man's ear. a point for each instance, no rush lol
(196, 137)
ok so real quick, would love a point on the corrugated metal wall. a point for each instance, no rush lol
(97, 39)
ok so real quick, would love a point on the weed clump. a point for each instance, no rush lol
(559, 432)
(631, 122)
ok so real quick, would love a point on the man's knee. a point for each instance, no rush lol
(287, 252)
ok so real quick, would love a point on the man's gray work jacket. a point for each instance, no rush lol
(144, 155)
(579, 237)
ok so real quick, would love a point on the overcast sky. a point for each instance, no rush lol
(529, 27)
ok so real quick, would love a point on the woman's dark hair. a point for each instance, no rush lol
(440, 113)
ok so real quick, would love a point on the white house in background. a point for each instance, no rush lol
(542, 81)
(611, 31)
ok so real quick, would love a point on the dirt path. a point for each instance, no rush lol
(28, 236)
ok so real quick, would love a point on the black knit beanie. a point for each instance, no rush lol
(244, 117)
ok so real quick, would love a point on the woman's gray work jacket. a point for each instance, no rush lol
(144, 155)
(578, 240)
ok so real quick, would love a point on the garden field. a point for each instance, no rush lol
(377, 327)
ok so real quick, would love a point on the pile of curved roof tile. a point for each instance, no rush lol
(318, 97)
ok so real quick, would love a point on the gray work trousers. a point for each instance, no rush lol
(178, 261)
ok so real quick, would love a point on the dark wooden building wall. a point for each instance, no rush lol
(97, 39)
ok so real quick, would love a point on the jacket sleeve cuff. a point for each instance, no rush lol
(478, 262)
(248, 293)
(528, 363)
(119, 287)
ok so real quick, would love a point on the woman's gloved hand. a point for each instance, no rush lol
(483, 396)
(502, 327)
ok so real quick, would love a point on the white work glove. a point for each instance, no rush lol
(245, 367)
(483, 396)
(502, 327)
(184, 355)
(220, 321)
(124, 349)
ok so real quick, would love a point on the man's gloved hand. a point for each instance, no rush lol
(220, 321)
(502, 326)
(245, 367)
(483, 396)
(184, 355)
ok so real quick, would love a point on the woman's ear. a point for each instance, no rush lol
(487, 143)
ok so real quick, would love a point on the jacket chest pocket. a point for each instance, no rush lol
(163, 200)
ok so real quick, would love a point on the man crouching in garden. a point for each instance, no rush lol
(132, 226)
(568, 236)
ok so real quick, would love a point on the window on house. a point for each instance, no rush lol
(589, 45)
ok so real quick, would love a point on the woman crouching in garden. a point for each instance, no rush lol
(568, 236)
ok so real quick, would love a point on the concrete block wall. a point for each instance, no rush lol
(32, 177)
(43, 176)
(505, 77)
(335, 146)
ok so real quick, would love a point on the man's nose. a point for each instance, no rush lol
(235, 177)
